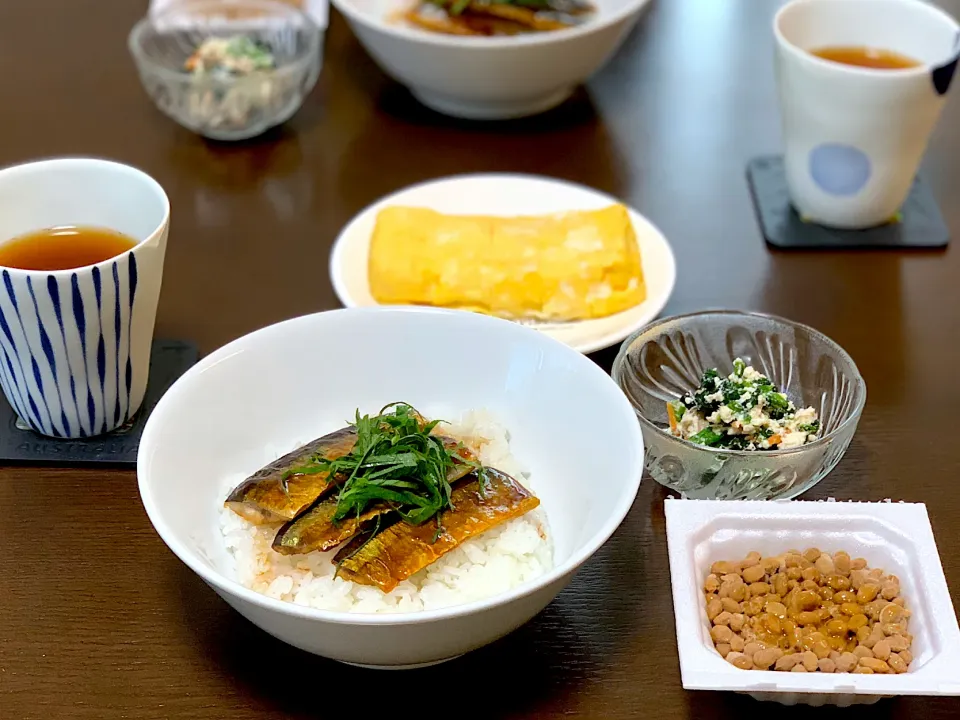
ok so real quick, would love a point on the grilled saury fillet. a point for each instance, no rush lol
(262, 498)
(403, 549)
(316, 529)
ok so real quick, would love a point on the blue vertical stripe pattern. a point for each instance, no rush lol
(101, 349)
(51, 361)
(10, 380)
(133, 293)
(7, 380)
(53, 290)
(43, 418)
(66, 355)
(116, 333)
(81, 320)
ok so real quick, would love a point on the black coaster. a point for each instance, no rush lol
(169, 359)
(920, 224)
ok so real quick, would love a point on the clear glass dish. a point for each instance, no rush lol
(220, 106)
(667, 358)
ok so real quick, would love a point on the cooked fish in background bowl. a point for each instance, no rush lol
(506, 17)
(390, 486)
(563, 258)
(491, 60)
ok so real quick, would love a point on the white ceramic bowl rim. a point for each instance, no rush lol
(293, 67)
(620, 361)
(424, 37)
(48, 164)
(218, 580)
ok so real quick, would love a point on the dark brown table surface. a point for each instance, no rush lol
(99, 620)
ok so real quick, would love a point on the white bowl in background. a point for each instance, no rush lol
(489, 78)
(569, 423)
(512, 194)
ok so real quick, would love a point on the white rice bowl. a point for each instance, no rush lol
(496, 561)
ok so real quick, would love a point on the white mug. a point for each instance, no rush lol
(75, 344)
(854, 136)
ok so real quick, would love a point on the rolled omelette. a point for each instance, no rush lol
(570, 266)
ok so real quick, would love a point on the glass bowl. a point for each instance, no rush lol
(218, 105)
(662, 361)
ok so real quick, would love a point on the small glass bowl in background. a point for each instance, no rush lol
(666, 359)
(219, 107)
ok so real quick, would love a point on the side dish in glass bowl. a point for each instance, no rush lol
(227, 69)
(738, 406)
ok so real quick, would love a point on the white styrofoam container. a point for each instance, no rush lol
(896, 537)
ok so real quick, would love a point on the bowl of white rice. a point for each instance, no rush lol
(526, 404)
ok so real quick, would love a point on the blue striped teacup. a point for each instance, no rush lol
(75, 344)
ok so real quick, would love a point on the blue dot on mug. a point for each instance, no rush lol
(839, 169)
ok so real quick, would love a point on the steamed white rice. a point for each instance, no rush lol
(498, 560)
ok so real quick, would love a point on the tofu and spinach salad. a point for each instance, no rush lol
(743, 411)
(230, 57)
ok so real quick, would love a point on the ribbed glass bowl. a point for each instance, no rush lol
(227, 108)
(666, 359)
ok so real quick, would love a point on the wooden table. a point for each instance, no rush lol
(99, 620)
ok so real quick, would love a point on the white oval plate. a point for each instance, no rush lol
(509, 194)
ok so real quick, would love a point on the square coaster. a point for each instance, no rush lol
(169, 359)
(920, 226)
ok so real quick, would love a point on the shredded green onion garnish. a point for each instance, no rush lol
(396, 460)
